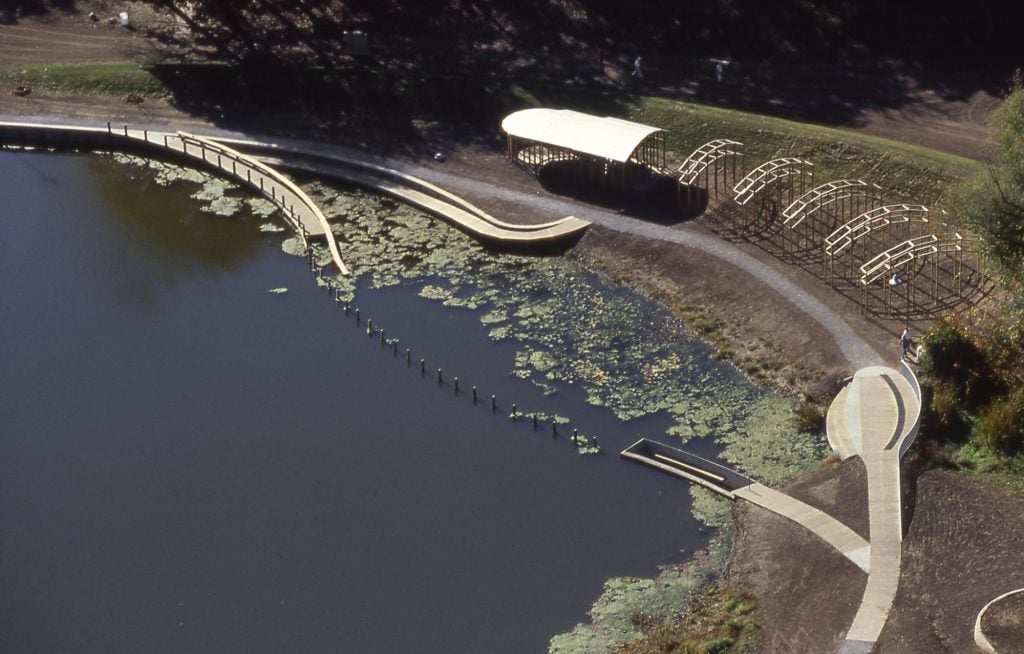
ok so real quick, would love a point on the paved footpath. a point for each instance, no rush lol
(876, 417)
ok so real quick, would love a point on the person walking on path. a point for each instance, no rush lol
(637, 72)
(905, 342)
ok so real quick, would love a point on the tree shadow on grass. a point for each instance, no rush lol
(394, 108)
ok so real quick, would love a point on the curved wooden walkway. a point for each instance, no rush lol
(365, 170)
(469, 218)
(309, 221)
(299, 211)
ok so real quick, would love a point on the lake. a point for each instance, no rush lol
(189, 462)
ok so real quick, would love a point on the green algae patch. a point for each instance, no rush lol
(215, 195)
(261, 207)
(628, 604)
(293, 246)
(435, 292)
(222, 206)
(627, 353)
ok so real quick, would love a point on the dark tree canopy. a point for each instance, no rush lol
(993, 203)
(826, 31)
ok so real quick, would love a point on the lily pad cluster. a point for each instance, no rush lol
(627, 352)
(216, 195)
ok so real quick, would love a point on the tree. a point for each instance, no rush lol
(993, 202)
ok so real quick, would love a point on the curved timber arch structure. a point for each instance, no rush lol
(852, 242)
(816, 213)
(603, 150)
(916, 277)
(775, 184)
(716, 161)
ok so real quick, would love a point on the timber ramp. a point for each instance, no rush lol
(254, 167)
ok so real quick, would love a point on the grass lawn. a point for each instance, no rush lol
(113, 79)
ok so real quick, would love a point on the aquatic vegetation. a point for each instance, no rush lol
(626, 603)
(627, 353)
(216, 195)
(261, 207)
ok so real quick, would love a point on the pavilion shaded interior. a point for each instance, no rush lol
(605, 151)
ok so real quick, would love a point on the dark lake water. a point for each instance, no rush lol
(189, 463)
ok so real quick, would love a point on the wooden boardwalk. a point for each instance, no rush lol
(298, 209)
(733, 485)
(364, 170)
(470, 219)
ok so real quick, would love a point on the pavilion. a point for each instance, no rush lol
(603, 150)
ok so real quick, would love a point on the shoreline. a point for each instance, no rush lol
(776, 345)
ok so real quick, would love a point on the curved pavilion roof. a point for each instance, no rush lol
(603, 137)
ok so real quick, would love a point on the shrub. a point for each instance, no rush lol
(943, 419)
(952, 357)
(1000, 428)
(809, 418)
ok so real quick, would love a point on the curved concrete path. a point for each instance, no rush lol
(979, 635)
(821, 524)
(876, 417)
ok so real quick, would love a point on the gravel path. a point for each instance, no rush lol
(855, 350)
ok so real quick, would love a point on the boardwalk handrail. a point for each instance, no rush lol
(915, 420)
(339, 156)
(236, 156)
(125, 139)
